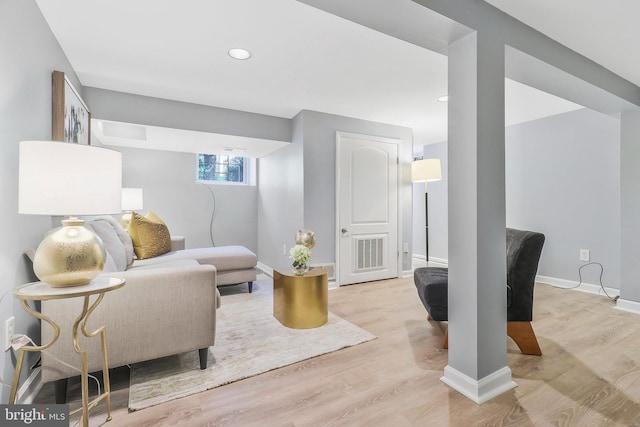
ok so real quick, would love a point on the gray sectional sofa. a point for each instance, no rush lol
(167, 306)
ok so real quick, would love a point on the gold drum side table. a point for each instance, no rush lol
(39, 291)
(301, 302)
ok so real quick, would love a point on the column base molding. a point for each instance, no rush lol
(481, 390)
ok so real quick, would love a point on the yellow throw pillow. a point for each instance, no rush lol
(150, 235)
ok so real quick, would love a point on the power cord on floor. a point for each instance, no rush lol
(612, 298)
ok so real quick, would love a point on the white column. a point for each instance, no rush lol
(477, 249)
(629, 211)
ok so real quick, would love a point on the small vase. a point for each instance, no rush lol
(301, 269)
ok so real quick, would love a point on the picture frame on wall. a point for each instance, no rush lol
(71, 116)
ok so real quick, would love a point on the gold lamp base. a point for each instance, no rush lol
(69, 256)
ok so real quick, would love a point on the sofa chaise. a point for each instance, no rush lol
(167, 306)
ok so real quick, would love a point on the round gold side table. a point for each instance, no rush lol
(40, 291)
(300, 302)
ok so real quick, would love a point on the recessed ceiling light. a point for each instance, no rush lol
(238, 53)
(443, 98)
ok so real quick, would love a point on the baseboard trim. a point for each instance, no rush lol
(443, 261)
(480, 391)
(584, 287)
(265, 269)
(332, 284)
(628, 305)
(418, 261)
(30, 388)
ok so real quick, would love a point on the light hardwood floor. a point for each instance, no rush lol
(589, 374)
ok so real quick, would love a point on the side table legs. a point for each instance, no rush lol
(56, 334)
(81, 322)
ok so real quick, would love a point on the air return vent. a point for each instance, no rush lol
(330, 267)
(369, 254)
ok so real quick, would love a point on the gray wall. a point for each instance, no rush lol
(438, 198)
(312, 205)
(320, 176)
(281, 201)
(125, 107)
(29, 54)
(168, 181)
(562, 178)
(629, 207)
(168, 178)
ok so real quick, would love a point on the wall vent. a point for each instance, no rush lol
(330, 267)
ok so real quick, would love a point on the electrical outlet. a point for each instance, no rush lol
(8, 332)
(584, 255)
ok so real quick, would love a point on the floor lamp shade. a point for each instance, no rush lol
(59, 178)
(426, 170)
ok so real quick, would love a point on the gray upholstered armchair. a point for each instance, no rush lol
(523, 255)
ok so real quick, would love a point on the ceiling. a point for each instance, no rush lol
(304, 58)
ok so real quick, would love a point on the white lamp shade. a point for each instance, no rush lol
(131, 199)
(426, 170)
(61, 178)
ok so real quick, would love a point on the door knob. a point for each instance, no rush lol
(344, 231)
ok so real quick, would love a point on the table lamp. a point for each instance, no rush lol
(131, 201)
(66, 179)
(426, 170)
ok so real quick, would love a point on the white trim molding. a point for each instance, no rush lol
(442, 262)
(418, 260)
(332, 284)
(628, 305)
(584, 287)
(265, 269)
(30, 388)
(480, 391)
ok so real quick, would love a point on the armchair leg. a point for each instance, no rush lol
(203, 353)
(250, 287)
(521, 332)
(445, 339)
(524, 336)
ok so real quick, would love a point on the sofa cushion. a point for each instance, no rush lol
(150, 235)
(116, 259)
(222, 257)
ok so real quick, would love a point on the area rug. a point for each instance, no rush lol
(249, 341)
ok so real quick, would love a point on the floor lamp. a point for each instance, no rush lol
(426, 170)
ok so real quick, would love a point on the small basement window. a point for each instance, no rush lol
(220, 169)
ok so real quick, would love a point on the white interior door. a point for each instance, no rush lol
(367, 204)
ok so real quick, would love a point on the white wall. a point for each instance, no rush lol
(562, 179)
(29, 55)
